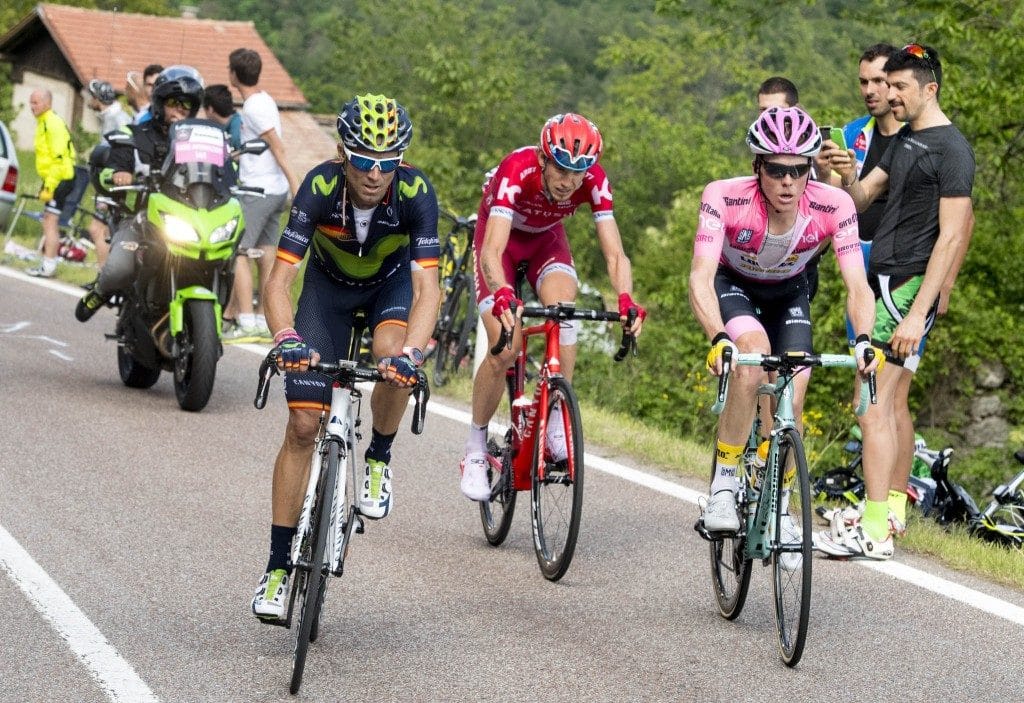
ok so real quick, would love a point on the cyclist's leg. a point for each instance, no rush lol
(553, 276)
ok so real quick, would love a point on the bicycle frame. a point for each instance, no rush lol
(760, 512)
(338, 427)
(528, 426)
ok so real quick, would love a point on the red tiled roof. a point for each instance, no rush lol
(107, 45)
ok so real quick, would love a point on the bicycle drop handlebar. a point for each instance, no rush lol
(568, 311)
(347, 372)
(788, 363)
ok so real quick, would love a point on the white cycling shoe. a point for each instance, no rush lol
(720, 514)
(474, 484)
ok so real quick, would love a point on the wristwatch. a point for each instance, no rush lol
(415, 354)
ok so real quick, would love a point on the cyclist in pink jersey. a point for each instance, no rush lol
(747, 284)
(520, 222)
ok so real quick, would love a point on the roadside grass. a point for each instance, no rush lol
(620, 434)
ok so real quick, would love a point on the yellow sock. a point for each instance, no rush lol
(876, 519)
(727, 459)
(898, 504)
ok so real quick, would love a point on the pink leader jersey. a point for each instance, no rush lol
(515, 191)
(734, 224)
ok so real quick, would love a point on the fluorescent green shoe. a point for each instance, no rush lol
(375, 496)
(271, 599)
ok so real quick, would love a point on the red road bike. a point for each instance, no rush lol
(522, 461)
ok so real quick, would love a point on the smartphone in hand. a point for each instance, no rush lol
(834, 134)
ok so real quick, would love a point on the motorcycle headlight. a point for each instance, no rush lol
(179, 231)
(224, 232)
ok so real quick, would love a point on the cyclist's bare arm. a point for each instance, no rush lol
(620, 271)
(860, 306)
(496, 237)
(426, 300)
(278, 302)
(703, 299)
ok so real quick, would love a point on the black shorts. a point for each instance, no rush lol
(781, 310)
(60, 196)
(324, 320)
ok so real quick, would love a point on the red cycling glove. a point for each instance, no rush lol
(626, 302)
(503, 299)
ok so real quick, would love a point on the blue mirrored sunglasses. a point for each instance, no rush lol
(366, 163)
(572, 163)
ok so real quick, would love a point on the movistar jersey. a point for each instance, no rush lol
(402, 231)
(734, 225)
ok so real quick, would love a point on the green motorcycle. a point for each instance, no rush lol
(170, 318)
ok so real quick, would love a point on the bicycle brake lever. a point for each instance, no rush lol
(505, 339)
(628, 340)
(421, 392)
(268, 367)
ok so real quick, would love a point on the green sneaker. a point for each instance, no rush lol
(241, 335)
(375, 496)
(271, 597)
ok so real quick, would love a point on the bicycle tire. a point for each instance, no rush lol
(465, 336)
(730, 568)
(557, 501)
(443, 331)
(791, 553)
(496, 513)
(315, 585)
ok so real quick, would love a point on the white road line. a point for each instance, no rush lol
(115, 675)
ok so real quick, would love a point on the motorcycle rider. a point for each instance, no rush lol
(177, 95)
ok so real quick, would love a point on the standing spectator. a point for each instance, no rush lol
(103, 100)
(269, 171)
(221, 109)
(777, 92)
(142, 94)
(919, 245)
(55, 164)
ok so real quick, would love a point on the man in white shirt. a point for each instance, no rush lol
(269, 171)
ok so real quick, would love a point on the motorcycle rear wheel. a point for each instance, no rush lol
(195, 366)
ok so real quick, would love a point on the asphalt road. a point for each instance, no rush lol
(132, 535)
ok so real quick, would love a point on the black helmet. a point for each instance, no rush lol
(102, 91)
(181, 82)
(375, 123)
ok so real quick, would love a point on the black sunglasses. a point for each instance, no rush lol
(779, 171)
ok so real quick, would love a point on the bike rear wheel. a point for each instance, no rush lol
(791, 548)
(311, 599)
(496, 514)
(557, 498)
(454, 311)
(730, 568)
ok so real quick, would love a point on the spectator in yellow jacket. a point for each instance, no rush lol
(55, 164)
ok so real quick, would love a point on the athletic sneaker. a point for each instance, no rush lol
(475, 484)
(239, 334)
(720, 514)
(375, 497)
(555, 441)
(851, 515)
(47, 268)
(842, 541)
(791, 534)
(271, 599)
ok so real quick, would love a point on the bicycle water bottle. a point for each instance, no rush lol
(757, 463)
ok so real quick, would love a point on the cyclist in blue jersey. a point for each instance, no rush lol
(369, 223)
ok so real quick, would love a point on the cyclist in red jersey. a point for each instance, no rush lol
(520, 221)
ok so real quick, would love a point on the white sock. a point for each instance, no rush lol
(246, 319)
(477, 441)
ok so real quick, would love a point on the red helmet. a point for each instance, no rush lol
(571, 141)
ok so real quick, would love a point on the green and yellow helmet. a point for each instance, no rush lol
(374, 123)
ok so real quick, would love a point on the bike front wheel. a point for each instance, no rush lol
(791, 548)
(557, 483)
(314, 586)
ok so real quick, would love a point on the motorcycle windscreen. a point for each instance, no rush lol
(199, 150)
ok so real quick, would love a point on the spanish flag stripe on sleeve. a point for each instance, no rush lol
(427, 263)
(288, 257)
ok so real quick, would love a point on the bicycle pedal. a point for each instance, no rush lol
(277, 622)
(360, 528)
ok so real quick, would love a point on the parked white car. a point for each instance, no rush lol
(8, 176)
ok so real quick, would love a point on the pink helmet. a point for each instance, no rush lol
(784, 130)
